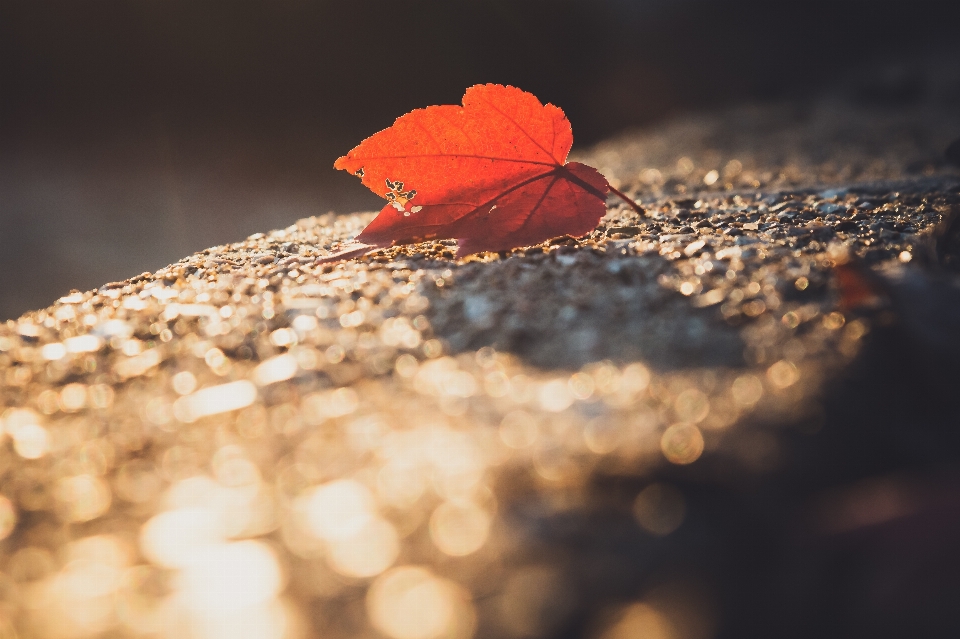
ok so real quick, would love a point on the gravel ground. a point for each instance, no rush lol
(733, 416)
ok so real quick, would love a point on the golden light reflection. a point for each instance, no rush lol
(340, 509)
(31, 441)
(682, 443)
(651, 177)
(836, 320)
(398, 332)
(83, 344)
(283, 337)
(270, 620)
(603, 435)
(496, 384)
(518, 429)
(73, 397)
(368, 552)
(555, 396)
(458, 464)
(324, 405)
(783, 374)
(460, 384)
(138, 363)
(459, 529)
(235, 502)
(95, 568)
(433, 375)
(685, 166)
(365, 433)
(581, 386)
(276, 369)
(173, 538)
(410, 602)
(82, 498)
(692, 405)
(723, 413)
(215, 400)
(228, 577)
(30, 438)
(401, 482)
(641, 621)
(169, 408)
(8, 517)
(78, 601)
(555, 464)
(53, 351)
(233, 470)
(747, 390)
(198, 491)
(407, 366)
(184, 383)
(138, 599)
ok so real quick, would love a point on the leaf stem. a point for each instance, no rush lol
(636, 207)
(348, 252)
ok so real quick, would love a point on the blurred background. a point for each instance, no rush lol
(135, 132)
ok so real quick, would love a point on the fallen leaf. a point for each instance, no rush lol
(491, 174)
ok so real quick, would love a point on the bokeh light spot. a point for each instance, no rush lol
(747, 390)
(459, 529)
(367, 553)
(659, 509)
(682, 443)
(339, 509)
(410, 602)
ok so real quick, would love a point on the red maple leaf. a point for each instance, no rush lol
(490, 174)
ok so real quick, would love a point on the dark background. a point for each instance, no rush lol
(134, 132)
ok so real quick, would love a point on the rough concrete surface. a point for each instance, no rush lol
(734, 416)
